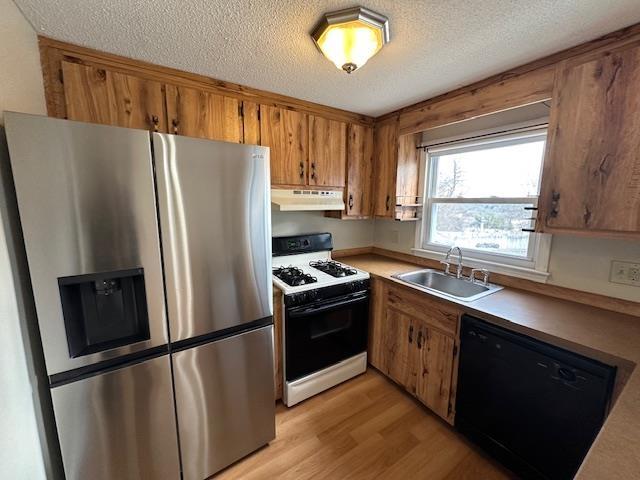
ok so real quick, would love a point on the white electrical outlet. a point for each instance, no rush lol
(627, 273)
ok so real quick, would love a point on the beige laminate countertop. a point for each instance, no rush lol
(610, 337)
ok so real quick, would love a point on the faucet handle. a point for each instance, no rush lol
(485, 275)
(447, 267)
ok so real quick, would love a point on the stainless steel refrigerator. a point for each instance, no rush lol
(149, 257)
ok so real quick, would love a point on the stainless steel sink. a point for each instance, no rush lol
(439, 283)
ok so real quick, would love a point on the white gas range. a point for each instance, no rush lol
(326, 306)
(308, 271)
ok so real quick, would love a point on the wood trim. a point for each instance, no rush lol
(51, 62)
(533, 87)
(477, 93)
(586, 298)
(287, 186)
(53, 51)
(349, 252)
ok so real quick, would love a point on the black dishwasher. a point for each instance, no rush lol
(536, 407)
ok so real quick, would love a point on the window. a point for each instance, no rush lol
(479, 196)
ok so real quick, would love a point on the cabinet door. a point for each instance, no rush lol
(407, 178)
(359, 167)
(436, 370)
(385, 163)
(97, 95)
(377, 324)
(286, 133)
(251, 123)
(401, 355)
(197, 113)
(327, 152)
(591, 176)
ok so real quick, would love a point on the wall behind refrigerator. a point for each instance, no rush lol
(21, 452)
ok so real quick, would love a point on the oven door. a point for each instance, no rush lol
(324, 333)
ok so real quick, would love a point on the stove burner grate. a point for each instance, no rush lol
(332, 268)
(293, 276)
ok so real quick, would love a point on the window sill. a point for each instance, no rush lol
(494, 267)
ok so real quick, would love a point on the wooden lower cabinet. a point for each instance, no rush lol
(413, 346)
(401, 359)
(435, 377)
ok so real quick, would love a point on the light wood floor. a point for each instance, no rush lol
(365, 428)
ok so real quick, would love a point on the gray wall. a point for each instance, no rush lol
(346, 233)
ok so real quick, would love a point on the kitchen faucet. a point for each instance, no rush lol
(447, 264)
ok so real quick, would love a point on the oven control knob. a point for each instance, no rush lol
(312, 295)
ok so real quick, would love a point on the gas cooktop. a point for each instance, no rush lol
(293, 276)
(304, 262)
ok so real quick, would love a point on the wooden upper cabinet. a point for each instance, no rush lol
(97, 95)
(396, 172)
(385, 166)
(591, 175)
(251, 122)
(358, 198)
(407, 178)
(286, 133)
(327, 152)
(198, 113)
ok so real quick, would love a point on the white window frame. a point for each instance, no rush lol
(535, 265)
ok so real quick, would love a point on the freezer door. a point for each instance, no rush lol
(87, 206)
(119, 424)
(224, 397)
(215, 221)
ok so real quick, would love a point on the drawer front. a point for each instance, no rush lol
(435, 313)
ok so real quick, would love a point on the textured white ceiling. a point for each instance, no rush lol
(435, 46)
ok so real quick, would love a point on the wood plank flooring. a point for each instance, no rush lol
(363, 429)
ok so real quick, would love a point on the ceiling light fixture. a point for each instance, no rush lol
(350, 37)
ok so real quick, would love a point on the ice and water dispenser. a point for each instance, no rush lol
(104, 310)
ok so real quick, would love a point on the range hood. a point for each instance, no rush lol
(301, 200)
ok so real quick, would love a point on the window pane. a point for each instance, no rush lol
(502, 170)
(495, 228)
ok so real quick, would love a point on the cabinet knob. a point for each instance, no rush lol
(350, 201)
(410, 333)
(387, 202)
(174, 124)
(301, 170)
(419, 341)
(155, 121)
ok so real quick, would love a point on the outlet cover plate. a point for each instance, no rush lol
(627, 273)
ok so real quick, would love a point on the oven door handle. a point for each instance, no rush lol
(309, 310)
